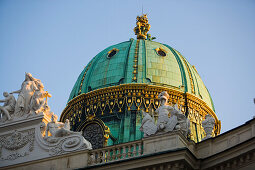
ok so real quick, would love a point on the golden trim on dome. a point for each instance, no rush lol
(84, 77)
(135, 66)
(90, 117)
(189, 72)
(141, 96)
(194, 68)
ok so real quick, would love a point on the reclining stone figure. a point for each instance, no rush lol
(57, 129)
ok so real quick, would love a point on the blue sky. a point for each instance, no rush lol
(54, 40)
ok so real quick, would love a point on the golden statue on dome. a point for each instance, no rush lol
(142, 26)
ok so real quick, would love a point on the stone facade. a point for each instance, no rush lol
(23, 141)
(234, 149)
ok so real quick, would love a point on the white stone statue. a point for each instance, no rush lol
(38, 104)
(148, 127)
(208, 125)
(8, 108)
(25, 94)
(176, 121)
(165, 123)
(183, 122)
(31, 97)
(26, 135)
(57, 129)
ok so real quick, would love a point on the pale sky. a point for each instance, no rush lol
(54, 41)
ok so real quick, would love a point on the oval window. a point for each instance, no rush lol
(161, 52)
(112, 53)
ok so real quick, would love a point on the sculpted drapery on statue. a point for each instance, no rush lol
(26, 92)
(147, 126)
(164, 123)
(31, 99)
(38, 103)
(26, 131)
(176, 121)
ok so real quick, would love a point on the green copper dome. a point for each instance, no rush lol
(120, 82)
(141, 61)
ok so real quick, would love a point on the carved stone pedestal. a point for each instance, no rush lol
(167, 141)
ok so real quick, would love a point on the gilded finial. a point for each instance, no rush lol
(142, 26)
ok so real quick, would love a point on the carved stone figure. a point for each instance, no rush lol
(9, 105)
(183, 123)
(208, 125)
(31, 98)
(148, 127)
(25, 94)
(58, 129)
(38, 104)
(163, 111)
(177, 120)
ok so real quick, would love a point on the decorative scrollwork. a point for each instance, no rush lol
(71, 143)
(16, 141)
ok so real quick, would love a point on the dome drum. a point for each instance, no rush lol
(119, 108)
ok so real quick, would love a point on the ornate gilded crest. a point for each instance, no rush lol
(142, 26)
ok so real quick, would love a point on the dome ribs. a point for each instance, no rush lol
(135, 65)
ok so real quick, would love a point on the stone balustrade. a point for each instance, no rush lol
(116, 152)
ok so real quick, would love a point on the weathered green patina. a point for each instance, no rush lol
(172, 70)
(137, 62)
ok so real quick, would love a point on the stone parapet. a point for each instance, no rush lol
(234, 149)
(226, 140)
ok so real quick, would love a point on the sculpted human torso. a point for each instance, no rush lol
(58, 129)
(10, 101)
(52, 127)
(25, 94)
(37, 104)
(27, 91)
(169, 119)
(28, 86)
(9, 105)
(163, 111)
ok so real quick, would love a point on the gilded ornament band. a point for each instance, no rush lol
(140, 96)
